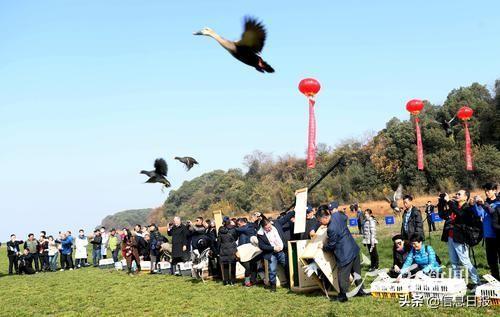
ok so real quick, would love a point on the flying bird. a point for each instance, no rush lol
(188, 161)
(159, 175)
(398, 194)
(248, 48)
(446, 125)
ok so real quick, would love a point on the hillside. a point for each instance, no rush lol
(126, 218)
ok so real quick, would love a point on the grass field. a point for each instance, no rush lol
(95, 292)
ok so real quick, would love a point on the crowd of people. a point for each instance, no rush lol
(467, 221)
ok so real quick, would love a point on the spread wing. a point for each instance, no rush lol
(398, 194)
(161, 167)
(192, 160)
(254, 35)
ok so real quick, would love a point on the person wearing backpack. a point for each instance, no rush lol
(462, 229)
(423, 256)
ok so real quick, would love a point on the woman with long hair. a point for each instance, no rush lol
(131, 250)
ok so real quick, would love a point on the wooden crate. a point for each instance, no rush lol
(299, 281)
(325, 260)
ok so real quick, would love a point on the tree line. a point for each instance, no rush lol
(375, 166)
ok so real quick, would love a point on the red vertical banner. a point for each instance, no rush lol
(468, 150)
(311, 142)
(420, 148)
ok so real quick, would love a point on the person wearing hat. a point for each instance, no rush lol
(400, 251)
(311, 224)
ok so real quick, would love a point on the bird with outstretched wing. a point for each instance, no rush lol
(249, 47)
(188, 161)
(159, 174)
(393, 201)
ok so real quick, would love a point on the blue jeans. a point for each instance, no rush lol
(53, 262)
(276, 258)
(459, 254)
(96, 256)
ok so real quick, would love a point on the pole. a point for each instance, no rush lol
(340, 161)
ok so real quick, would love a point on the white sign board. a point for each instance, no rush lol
(300, 210)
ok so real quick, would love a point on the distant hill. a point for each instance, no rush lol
(127, 218)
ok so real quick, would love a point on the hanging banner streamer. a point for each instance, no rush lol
(468, 151)
(420, 149)
(311, 144)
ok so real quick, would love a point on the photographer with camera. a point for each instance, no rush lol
(460, 231)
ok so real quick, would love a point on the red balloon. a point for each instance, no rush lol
(309, 87)
(414, 106)
(464, 113)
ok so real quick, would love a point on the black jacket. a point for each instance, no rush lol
(415, 224)
(311, 224)
(227, 244)
(399, 258)
(156, 239)
(463, 215)
(179, 240)
(13, 247)
(197, 233)
(96, 242)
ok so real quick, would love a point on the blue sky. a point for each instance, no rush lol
(91, 92)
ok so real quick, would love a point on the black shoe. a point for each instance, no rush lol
(372, 269)
(273, 288)
(362, 293)
(341, 298)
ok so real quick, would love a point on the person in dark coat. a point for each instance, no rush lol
(13, 252)
(400, 251)
(198, 233)
(213, 258)
(25, 261)
(412, 219)
(245, 230)
(311, 224)
(341, 243)
(96, 247)
(156, 240)
(227, 251)
(457, 213)
(429, 210)
(180, 245)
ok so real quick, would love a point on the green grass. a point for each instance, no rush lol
(95, 292)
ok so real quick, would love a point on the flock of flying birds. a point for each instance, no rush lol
(248, 51)
(159, 174)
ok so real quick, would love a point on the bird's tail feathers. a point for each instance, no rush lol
(265, 67)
